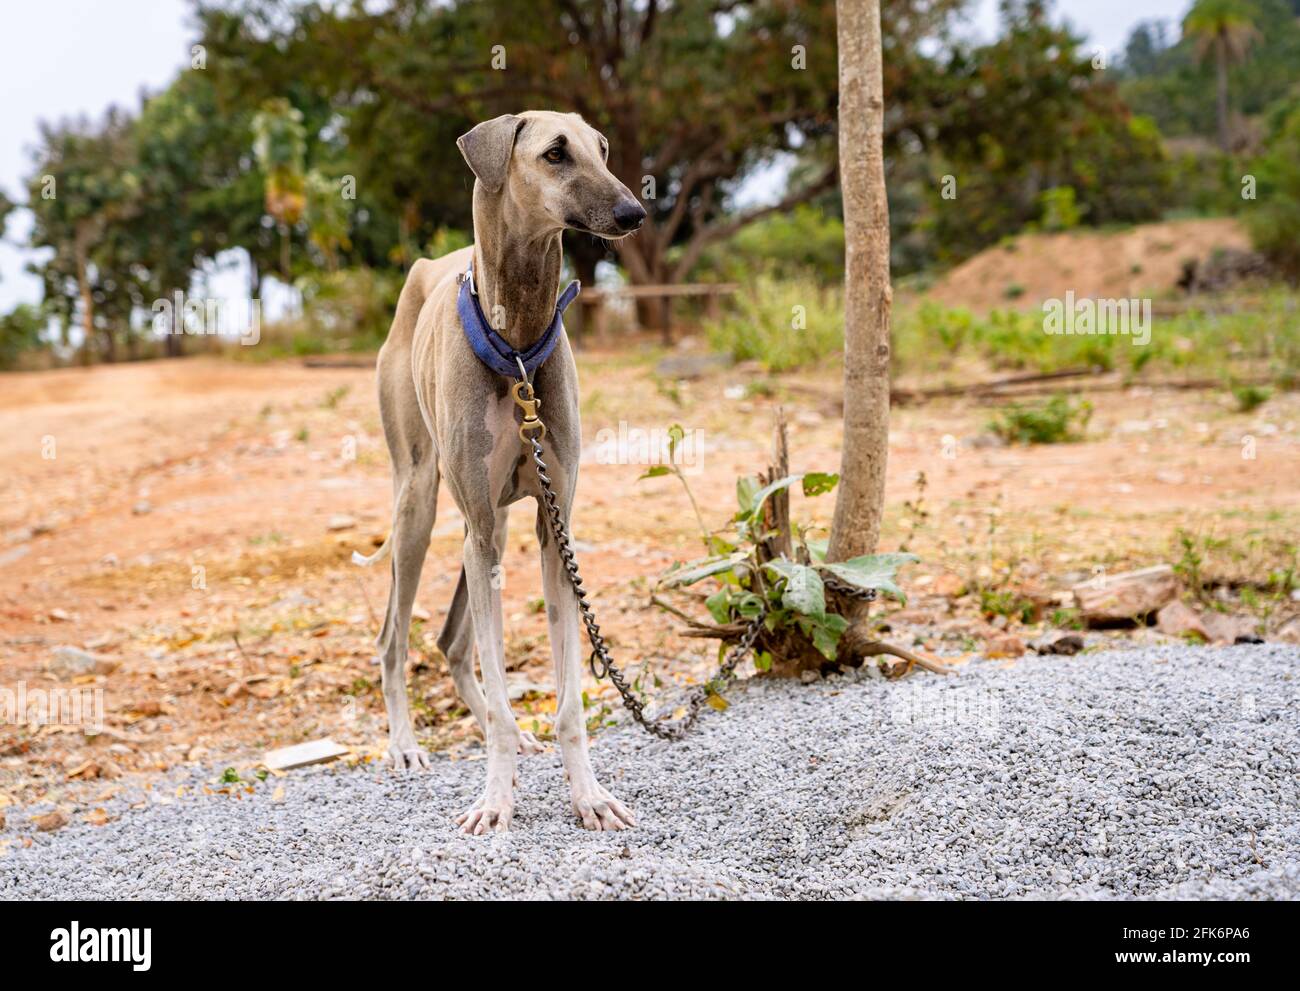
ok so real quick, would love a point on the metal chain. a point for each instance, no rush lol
(601, 663)
(847, 590)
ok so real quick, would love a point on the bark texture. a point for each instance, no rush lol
(867, 293)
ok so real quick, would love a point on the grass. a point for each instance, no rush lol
(1057, 421)
(1249, 338)
(782, 324)
(789, 323)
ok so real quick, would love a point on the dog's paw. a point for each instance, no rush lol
(601, 811)
(486, 815)
(412, 758)
(529, 744)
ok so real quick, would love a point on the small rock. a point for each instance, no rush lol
(50, 822)
(1177, 619)
(142, 508)
(1223, 628)
(1003, 645)
(303, 754)
(2, 820)
(341, 521)
(1111, 598)
(1067, 644)
(1289, 631)
(808, 677)
(948, 584)
(72, 662)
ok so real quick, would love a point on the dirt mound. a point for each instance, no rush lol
(1142, 261)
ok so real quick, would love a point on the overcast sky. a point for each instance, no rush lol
(62, 58)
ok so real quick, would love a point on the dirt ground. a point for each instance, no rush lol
(190, 524)
(1138, 261)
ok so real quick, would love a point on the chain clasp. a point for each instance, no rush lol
(522, 393)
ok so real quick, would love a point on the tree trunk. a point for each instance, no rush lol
(1221, 95)
(174, 347)
(81, 249)
(867, 293)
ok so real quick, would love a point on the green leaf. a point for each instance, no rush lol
(872, 571)
(720, 545)
(817, 483)
(693, 571)
(803, 587)
(675, 436)
(746, 489)
(826, 641)
(656, 472)
(767, 490)
(817, 548)
(762, 660)
(719, 605)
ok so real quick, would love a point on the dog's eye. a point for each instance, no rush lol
(554, 156)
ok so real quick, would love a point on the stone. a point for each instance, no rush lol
(1133, 594)
(1003, 645)
(1058, 642)
(303, 754)
(50, 822)
(1177, 619)
(73, 662)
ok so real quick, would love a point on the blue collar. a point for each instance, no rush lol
(493, 349)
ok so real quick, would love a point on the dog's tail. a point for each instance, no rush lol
(384, 550)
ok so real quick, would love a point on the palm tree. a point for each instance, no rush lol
(1224, 29)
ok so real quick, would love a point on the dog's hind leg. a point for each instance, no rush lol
(456, 641)
(413, 515)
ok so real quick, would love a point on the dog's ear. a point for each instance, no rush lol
(487, 149)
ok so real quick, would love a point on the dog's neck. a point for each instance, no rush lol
(517, 274)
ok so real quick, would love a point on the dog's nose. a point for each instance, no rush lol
(628, 214)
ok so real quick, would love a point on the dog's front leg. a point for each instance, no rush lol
(482, 577)
(596, 807)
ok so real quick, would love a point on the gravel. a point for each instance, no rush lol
(1165, 772)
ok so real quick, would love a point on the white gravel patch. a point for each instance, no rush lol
(1165, 772)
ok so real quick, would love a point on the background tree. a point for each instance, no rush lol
(279, 141)
(694, 97)
(85, 180)
(1274, 219)
(1223, 30)
(868, 296)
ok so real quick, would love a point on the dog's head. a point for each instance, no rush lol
(552, 168)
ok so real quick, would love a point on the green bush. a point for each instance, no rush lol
(1264, 338)
(1059, 209)
(1250, 397)
(20, 331)
(1057, 421)
(804, 241)
(782, 324)
(1274, 218)
(348, 310)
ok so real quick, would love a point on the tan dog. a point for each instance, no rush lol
(447, 415)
